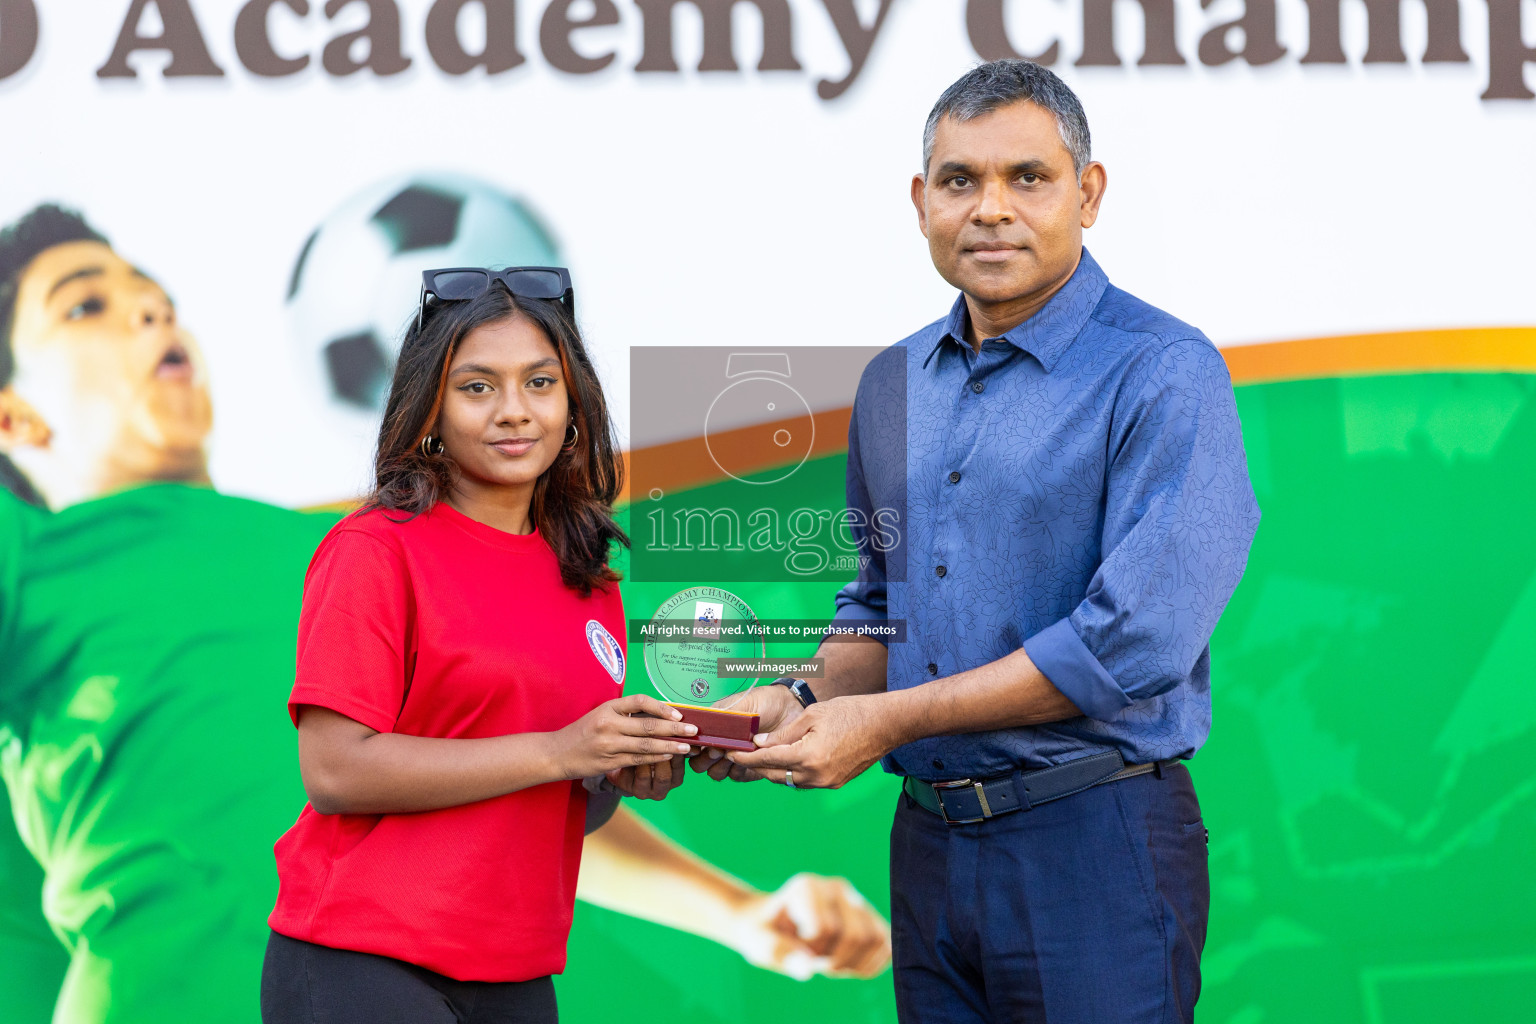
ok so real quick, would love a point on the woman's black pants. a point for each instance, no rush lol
(302, 983)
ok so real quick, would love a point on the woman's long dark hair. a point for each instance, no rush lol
(572, 500)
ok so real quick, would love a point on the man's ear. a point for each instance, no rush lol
(917, 201)
(21, 426)
(1092, 185)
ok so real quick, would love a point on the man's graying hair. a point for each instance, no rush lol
(989, 86)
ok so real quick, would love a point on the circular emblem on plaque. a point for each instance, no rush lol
(690, 633)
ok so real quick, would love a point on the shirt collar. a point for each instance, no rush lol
(1050, 332)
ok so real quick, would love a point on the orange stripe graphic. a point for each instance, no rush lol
(1479, 349)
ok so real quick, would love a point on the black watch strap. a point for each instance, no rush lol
(800, 688)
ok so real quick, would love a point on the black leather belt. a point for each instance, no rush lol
(966, 801)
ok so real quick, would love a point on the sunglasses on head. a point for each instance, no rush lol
(455, 284)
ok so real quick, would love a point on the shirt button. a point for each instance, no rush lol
(938, 764)
(933, 669)
(954, 477)
(939, 570)
(978, 386)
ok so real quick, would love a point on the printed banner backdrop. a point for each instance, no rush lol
(1337, 194)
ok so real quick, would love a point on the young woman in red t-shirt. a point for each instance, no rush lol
(459, 668)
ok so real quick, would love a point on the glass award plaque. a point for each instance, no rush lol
(690, 633)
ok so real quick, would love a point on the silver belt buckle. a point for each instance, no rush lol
(981, 797)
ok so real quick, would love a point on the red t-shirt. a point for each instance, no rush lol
(443, 626)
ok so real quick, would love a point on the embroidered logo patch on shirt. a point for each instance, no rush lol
(606, 649)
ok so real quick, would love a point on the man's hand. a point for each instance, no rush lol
(812, 925)
(649, 781)
(824, 746)
(775, 707)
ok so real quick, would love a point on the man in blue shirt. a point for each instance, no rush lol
(1075, 513)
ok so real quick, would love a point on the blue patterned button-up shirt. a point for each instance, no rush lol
(1078, 489)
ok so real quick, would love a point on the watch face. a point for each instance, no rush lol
(759, 430)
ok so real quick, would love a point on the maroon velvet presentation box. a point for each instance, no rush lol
(725, 730)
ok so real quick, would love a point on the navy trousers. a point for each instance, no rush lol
(1090, 909)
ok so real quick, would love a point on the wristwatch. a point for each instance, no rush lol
(800, 688)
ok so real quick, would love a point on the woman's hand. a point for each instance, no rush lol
(350, 768)
(650, 782)
(619, 734)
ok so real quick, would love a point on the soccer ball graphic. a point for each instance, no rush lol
(354, 286)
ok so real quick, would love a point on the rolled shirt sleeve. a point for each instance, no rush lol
(1179, 518)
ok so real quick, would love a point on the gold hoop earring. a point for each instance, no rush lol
(431, 446)
(570, 444)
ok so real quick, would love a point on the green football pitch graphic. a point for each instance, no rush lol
(1367, 786)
